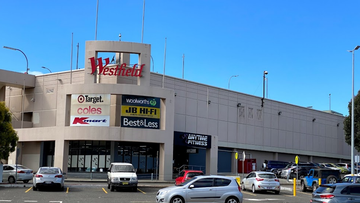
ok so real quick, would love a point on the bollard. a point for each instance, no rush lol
(294, 189)
(238, 180)
(319, 181)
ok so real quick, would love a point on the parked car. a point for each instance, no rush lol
(48, 177)
(12, 171)
(186, 175)
(302, 169)
(122, 175)
(351, 179)
(210, 188)
(274, 165)
(261, 181)
(345, 165)
(335, 193)
(330, 166)
(311, 181)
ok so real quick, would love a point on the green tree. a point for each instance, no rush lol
(8, 136)
(347, 123)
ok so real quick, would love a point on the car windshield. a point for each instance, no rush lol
(122, 168)
(21, 167)
(330, 172)
(187, 181)
(192, 174)
(267, 176)
(325, 189)
(49, 171)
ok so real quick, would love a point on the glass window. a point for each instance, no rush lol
(354, 190)
(267, 176)
(205, 182)
(192, 174)
(221, 182)
(181, 174)
(325, 189)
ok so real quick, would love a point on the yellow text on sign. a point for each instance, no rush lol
(140, 111)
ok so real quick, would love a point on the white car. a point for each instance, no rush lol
(48, 177)
(261, 181)
(122, 175)
(10, 174)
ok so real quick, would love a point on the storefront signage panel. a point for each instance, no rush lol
(192, 140)
(90, 110)
(140, 112)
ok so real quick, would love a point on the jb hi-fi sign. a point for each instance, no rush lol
(118, 70)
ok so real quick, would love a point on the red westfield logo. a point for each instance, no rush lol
(117, 71)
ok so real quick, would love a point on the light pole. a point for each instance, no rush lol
(27, 63)
(262, 100)
(230, 79)
(46, 69)
(352, 111)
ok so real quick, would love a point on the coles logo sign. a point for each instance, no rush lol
(90, 110)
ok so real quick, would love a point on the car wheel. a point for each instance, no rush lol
(177, 199)
(243, 186)
(303, 187)
(253, 189)
(34, 188)
(25, 181)
(11, 179)
(314, 187)
(231, 200)
(331, 179)
(112, 188)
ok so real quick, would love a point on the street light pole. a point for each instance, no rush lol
(262, 100)
(230, 79)
(352, 111)
(46, 69)
(27, 63)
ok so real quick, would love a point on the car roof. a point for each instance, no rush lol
(121, 163)
(262, 172)
(193, 171)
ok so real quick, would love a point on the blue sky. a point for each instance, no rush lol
(302, 44)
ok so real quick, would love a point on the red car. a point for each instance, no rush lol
(186, 175)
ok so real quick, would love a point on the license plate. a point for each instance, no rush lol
(125, 183)
(269, 188)
(47, 182)
(28, 172)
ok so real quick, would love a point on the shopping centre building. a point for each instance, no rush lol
(82, 120)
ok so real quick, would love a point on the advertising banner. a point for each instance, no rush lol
(140, 112)
(90, 110)
(192, 139)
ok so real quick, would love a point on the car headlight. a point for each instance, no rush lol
(133, 179)
(114, 179)
(163, 192)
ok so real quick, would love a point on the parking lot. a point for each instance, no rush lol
(98, 192)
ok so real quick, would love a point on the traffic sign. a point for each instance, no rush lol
(296, 159)
(236, 156)
(243, 156)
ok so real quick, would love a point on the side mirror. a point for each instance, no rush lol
(191, 186)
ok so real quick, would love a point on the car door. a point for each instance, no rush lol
(201, 190)
(7, 172)
(249, 180)
(350, 194)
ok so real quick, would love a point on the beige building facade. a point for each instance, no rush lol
(82, 120)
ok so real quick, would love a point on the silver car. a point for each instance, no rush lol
(261, 181)
(48, 177)
(11, 172)
(337, 193)
(202, 189)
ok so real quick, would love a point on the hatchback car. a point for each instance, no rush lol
(350, 179)
(11, 172)
(336, 193)
(213, 188)
(48, 177)
(261, 181)
(186, 175)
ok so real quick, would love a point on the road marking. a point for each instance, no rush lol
(30, 201)
(104, 190)
(28, 190)
(141, 191)
(56, 201)
(248, 193)
(305, 193)
(5, 200)
(67, 190)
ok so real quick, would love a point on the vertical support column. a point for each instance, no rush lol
(165, 166)
(276, 156)
(212, 156)
(234, 162)
(144, 58)
(112, 151)
(2, 93)
(61, 154)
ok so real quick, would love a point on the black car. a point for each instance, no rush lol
(302, 170)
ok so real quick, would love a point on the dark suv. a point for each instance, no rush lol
(326, 176)
(272, 166)
(302, 170)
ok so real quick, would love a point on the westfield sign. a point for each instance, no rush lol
(121, 70)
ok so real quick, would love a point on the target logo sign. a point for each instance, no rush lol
(81, 99)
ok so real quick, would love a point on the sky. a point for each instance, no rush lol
(303, 44)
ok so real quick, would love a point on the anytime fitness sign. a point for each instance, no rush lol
(90, 110)
(191, 139)
(140, 112)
